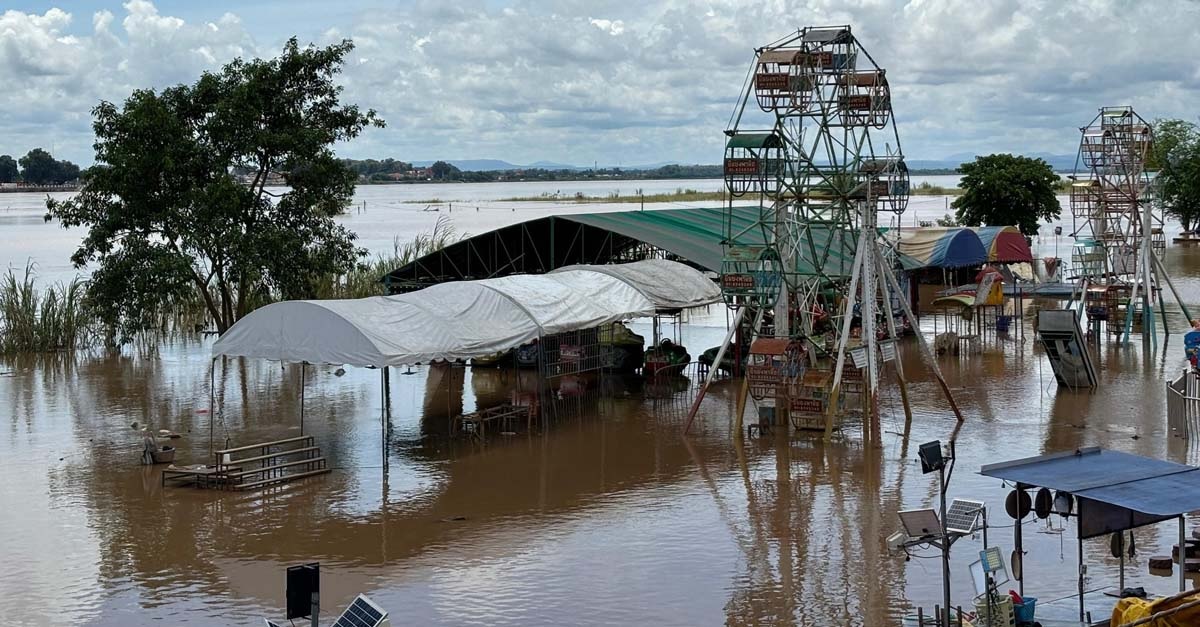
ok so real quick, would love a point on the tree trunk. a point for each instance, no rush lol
(209, 303)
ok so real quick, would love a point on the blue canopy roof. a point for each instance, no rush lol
(938, 247)
(1115, 490)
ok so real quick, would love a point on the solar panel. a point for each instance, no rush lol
(962, 516)
(361, 613)
(919, 523)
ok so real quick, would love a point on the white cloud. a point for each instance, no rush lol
(646, 82)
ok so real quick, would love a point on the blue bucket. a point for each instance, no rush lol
(1024, 611)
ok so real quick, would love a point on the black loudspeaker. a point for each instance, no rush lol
(302, 583)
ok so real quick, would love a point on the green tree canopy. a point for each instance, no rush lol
(442, 170)
(39, 167)
(168, 219)
(1176, 157)
(8, 169)
(1003, 190)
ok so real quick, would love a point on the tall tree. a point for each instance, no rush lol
(38, 167)
(1176, 157)
(168, 218)
(442, 170)
(1003, 190)
(8, 169)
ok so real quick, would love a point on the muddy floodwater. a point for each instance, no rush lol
(604, 515)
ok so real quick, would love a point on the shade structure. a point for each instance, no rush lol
(934, 247)
(462, 319)
(1004, 244)
(661, 281)
(1115, 491)
(698, 235)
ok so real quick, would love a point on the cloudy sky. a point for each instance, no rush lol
(616, 82)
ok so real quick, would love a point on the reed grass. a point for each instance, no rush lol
(41, 320)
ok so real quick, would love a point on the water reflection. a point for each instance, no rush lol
(602, 515)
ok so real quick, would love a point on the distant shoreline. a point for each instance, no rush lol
(8, 188)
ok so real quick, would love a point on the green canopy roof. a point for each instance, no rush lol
(694, 235)
(754, 140)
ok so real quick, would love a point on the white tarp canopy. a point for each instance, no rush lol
(457, 320)
(662, 281)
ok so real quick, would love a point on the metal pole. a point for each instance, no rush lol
(1082, 568)
(945, 550)
(712, 371)
(929, 356)
(891, 326)
(987, 580)
(1020, 553)
(1182, 553)
(1166, 277)
(316, 609)
(844, 337)
(1121, 577)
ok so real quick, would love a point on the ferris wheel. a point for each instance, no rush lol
(820, 164)
(812, 157)
(1111, 197)
(1118, 222)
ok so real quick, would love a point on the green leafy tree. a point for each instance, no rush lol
(38, 167)
(1003, 190)
(1176, 157)
(442, 170)
(67, 172)
(8, 169)
(168, 219)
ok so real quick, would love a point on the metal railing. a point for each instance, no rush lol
(1183, 405)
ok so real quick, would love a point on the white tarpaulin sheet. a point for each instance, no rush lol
(458, 320)
(665, 283)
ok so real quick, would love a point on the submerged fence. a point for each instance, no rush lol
(1183, 405)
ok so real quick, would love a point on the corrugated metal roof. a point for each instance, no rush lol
(694, 234)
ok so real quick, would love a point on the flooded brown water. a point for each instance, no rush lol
(605, 516)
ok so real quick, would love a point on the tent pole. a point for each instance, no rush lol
(1182, 553)
(1079, 539)
(1121, 577)
(383, 410)
(302, 365)
(212, 384)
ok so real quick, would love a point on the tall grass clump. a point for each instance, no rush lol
(364, 279)
(40, 320)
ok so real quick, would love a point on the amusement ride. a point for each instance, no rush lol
(813, 146)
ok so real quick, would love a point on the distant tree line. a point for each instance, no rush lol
(37, 167)
(388, 170)
(392, 170)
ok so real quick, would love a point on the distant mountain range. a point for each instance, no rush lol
(1061, 163)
